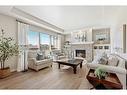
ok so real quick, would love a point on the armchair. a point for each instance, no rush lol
(37, 64)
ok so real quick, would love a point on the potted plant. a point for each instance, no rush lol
(8, 48)
(100, 73)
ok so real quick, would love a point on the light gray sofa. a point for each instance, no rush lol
(119, 70)
(37, 64)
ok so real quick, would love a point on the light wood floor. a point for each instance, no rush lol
(48, 78)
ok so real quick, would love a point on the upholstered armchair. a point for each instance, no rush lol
(35, 64)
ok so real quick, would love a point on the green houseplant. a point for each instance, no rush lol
(8, 48)
(100, 73)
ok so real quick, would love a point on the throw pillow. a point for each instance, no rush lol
(113, 61)
(40, 56)
(96, 58)
(99, 57)
(104, 55)
(103, 61)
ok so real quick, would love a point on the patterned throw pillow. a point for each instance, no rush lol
(113, 61)
(39, 56)
(103, 61)
(101, 58)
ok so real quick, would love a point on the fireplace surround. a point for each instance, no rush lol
(87, 49)
(80, 53)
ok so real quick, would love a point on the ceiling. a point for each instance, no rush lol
(75, 17)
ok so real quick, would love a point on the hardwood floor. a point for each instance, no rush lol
(48, 78)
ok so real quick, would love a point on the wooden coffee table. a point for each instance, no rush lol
(70, 62)
(110, 82)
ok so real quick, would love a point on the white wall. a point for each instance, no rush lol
(89, 35)
(68, 37)
(117, 35)
(9, 25)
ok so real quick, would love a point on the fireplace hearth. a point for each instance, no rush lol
(80, 53)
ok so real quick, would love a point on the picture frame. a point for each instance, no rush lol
(106, 47)
(100, 47)
(101, 36)
(95, 47)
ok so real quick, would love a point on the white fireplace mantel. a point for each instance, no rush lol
(81, 43)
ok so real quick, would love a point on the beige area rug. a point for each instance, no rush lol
(65, 67)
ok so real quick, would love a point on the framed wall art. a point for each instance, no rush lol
(101, 36)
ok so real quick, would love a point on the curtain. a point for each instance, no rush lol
(23, 30)
(59, 42)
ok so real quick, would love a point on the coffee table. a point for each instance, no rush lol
(70, 62)
(110, 82)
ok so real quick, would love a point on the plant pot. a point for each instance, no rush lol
(4, 72)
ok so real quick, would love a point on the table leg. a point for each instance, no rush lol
(59, 65)
(75, 69)
(81, 65)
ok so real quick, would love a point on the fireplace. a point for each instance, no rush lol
(80, 53)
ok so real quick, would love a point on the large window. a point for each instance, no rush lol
(37, 39)
(33, 39)
(44, 39)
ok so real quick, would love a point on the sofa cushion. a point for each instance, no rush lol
(113, 61)
(100, 57)
(96, 58)
(45, 61)
(107, 68)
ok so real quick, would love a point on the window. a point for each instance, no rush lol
(37, 39)
(44, 39)
(33, 39)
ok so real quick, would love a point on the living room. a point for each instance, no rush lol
(60, 47)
